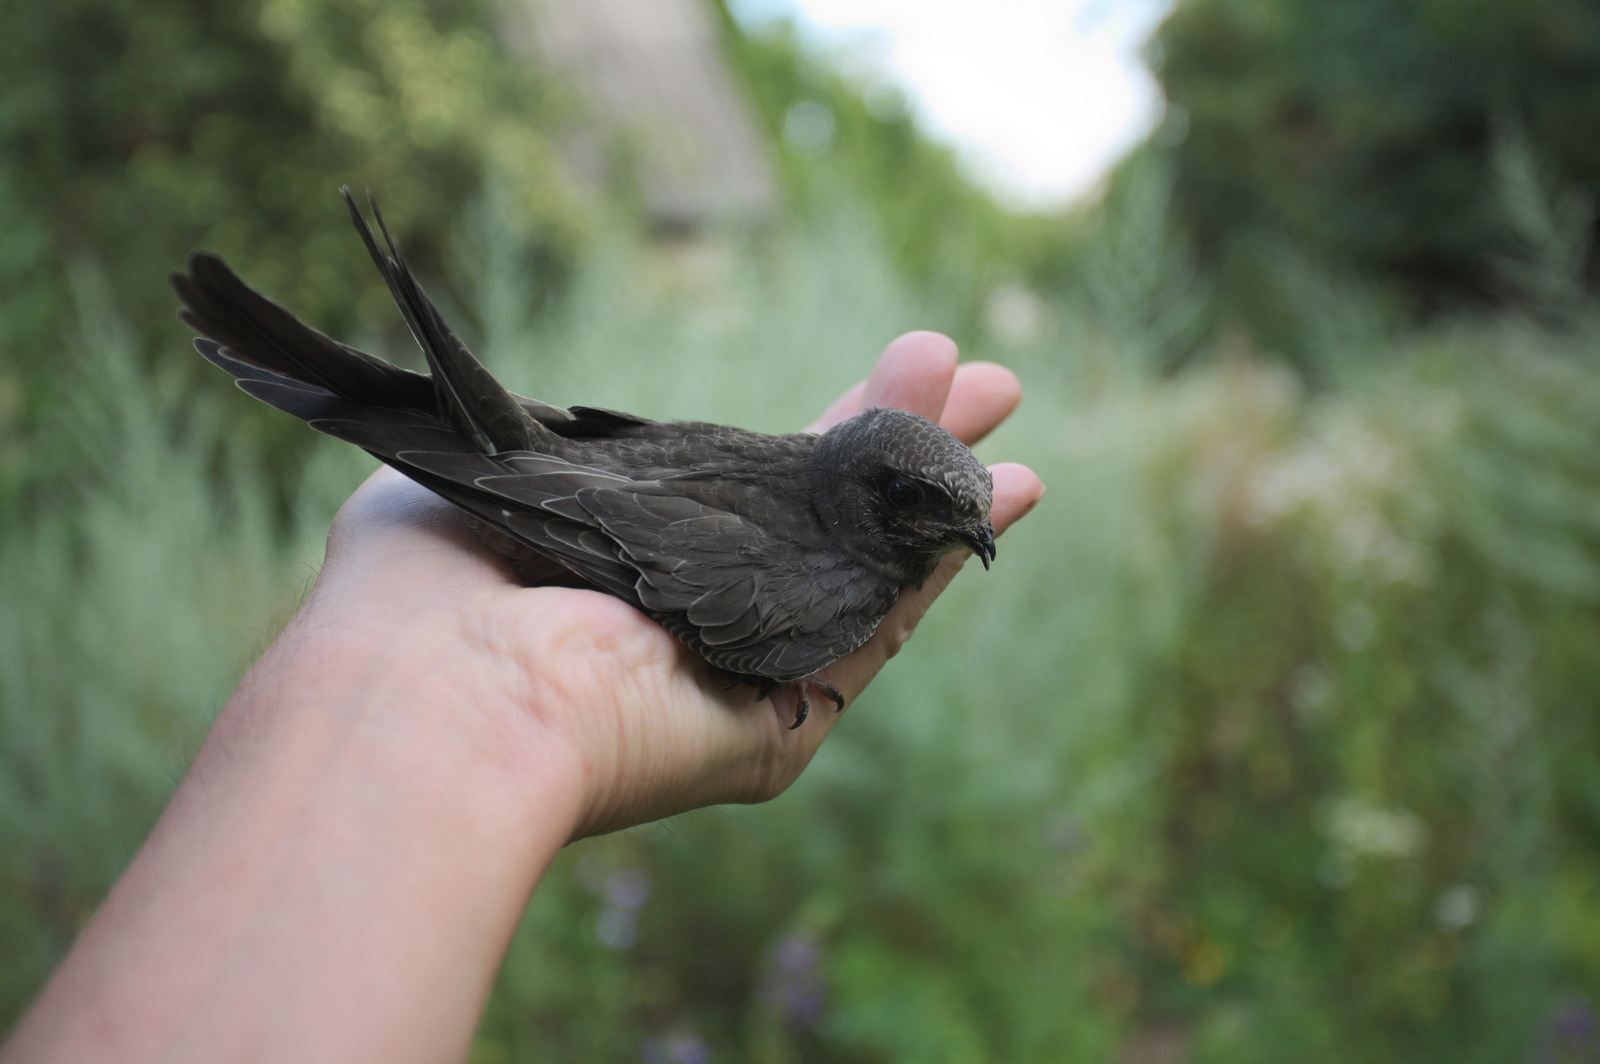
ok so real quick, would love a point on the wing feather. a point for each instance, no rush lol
(752, 600)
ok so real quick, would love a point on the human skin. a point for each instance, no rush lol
(340, 872)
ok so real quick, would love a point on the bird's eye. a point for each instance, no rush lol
(903, 493)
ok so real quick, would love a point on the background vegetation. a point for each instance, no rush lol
(1360, 134)
(1271, 736)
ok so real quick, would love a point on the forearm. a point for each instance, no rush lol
(336, 879)
(339, 874)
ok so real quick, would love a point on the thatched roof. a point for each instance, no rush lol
(662, 110)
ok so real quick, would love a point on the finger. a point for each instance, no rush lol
(767, 756)
(913, 373)
(982, 395)
(1017, 490)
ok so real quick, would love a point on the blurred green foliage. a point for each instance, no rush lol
(1271, 735)
(1281, 744)
(131, 134)
(1362, 133)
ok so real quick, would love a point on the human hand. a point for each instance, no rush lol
(341, 870)
(437, 624)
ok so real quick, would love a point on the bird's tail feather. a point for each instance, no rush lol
(468, 395)
(253, 331)
(266, 347)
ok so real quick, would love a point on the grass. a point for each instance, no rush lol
(1269, 735)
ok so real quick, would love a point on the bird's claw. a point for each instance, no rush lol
(802, 707)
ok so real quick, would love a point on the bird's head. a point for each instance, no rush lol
(902, 491)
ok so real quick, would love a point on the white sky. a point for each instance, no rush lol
(1040, 97)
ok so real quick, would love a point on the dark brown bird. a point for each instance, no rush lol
(769, 556)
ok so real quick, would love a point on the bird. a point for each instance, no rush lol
(769, 556)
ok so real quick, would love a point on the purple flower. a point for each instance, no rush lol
(793, 986)
(1572, 1035)
(622, 893)
(1574, 1023)
(677, 1047)
(617, 928)
(627, 888)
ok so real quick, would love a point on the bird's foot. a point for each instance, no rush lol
(802, 707)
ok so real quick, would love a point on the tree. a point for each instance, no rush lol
(1362, 133)
(131, 134)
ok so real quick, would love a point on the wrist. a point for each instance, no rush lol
(367, 803)
(431, 706)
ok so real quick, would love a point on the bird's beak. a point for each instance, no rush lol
(981, 539)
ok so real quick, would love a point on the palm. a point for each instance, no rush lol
(657, 729)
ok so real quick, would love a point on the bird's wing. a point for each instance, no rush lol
(493, 488)
(752, 599)
(529, 497)
(755, 600)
